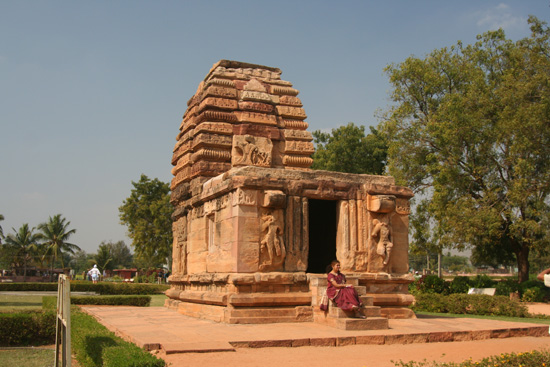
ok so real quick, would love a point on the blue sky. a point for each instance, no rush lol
(92, 92)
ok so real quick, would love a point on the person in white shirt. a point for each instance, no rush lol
(94, 273)
(544, 276)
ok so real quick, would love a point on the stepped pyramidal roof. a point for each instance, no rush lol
(241, 115)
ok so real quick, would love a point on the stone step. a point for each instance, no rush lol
(261, 320)
(368, 311)
(262, 312)
(370, 323)
(367, 300)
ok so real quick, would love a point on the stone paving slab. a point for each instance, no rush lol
(160, 328)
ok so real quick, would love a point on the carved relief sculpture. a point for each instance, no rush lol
(251, 151)
(384, 245)
(272, 247)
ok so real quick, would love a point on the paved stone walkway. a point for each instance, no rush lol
(159, 328)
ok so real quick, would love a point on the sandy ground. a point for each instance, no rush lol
(359, 355)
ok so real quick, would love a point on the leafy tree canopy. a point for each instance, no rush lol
(470, 131)
(147, 214)
(103, 258)
(56, 233)
(113, 255)
(24, 242)
(348, 149)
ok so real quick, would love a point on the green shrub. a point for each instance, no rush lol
(432, 284)
(27, 328)
(507, 286)
(534, 294)
(534, 358)
(49, 302)
(459, 285)
(430, 302)
(472, 304)
(94, 345)
(482, 281)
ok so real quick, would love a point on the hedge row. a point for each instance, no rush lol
(27, 328)
(50, 302)
(102, 288)
(529, 291)
(471, 304)
(94, 345)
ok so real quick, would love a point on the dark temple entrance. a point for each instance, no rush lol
(322, 234)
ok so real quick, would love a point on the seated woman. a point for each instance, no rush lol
(344, 295)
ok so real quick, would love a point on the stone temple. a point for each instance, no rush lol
(254, 227)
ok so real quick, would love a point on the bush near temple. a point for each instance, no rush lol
(536, 358)
(529, 291)
(27, 328)
(94, 345)
(470, 304)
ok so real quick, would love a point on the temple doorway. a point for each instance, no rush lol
(322, 234)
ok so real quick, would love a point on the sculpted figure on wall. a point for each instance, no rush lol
(272, 247)
(384, 245)
(251, 151)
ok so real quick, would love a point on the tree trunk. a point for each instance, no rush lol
(522, 257)
(427, 261)
(25, 269)
(439, 264)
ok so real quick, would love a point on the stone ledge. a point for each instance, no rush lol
(430, 337)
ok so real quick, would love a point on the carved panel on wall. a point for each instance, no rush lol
(272, 246)
(179, 256)
(244, 197)
(249, 150)
(403, 206)
(380, 244)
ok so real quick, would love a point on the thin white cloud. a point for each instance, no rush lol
(500, 16)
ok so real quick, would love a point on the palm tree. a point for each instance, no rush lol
(25, 242)
(55, 234)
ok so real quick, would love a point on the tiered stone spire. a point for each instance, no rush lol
(241, 115)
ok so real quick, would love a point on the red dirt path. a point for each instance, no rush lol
(359, 355)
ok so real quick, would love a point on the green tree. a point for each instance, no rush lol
(55, 233)
(121, 254)
(25, 244)
(81, 261)
(103, 258)
(348, 149)
(148, 215)
(456, 263)
(113, 255)
(470, 131)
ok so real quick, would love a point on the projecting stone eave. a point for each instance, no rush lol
(277, 178)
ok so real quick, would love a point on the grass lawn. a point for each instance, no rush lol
(27, 357)
(157, 300)
(10, 303)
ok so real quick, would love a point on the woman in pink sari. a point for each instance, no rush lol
(344, 295)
